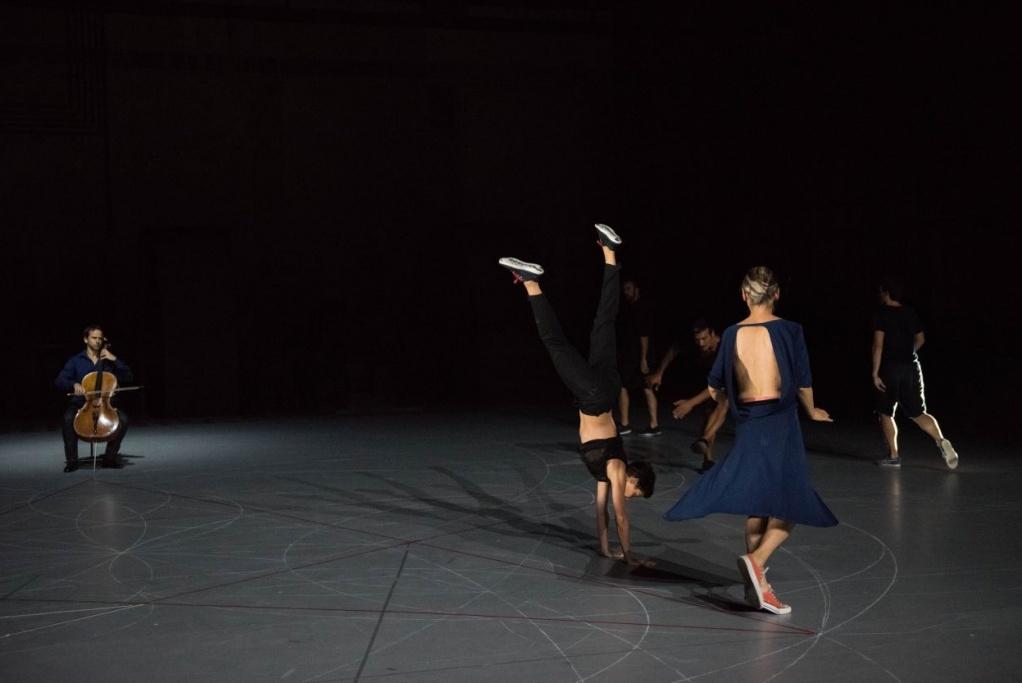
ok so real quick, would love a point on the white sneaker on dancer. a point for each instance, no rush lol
(522, 270)
(948, 451)
(607, 237)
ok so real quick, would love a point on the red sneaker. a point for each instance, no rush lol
(772, 604)
(752, 593)
(755, 577)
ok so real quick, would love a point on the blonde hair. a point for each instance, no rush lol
(760, 285)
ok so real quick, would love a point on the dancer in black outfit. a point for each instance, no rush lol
(595, 384)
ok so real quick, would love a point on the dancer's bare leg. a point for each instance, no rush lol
(651, 406)
(928, 424)
(532, 288)
(763, 535)
(623, 402)
(777, 532)
(890, 430)
(755, 527)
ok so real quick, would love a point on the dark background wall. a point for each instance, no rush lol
(280, 207)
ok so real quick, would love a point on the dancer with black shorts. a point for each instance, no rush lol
(898, 376)
(595, 384)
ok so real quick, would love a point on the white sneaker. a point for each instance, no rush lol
(523, 270)
(607, 237)
(948, 451)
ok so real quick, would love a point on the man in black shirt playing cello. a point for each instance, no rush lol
(70, 381)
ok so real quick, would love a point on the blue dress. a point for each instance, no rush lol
(765, 473)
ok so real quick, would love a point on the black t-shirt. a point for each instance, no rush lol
(900, 324)
(704, 361)
(635, 320)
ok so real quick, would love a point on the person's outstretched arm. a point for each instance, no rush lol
(685, 405)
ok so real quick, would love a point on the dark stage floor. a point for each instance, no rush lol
(460, 548)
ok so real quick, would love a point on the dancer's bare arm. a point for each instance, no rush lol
(617, 494)
(716, 420)
(878, 354)
(617, 474)
(805, 395)
(602, 519)
(654, 380)
(685, 405)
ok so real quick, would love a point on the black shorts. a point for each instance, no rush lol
(904, 383)
(632, 378)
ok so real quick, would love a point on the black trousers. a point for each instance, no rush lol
(113, 446)
(595, 383)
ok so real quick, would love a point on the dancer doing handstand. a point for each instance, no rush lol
(595, 384)
(763, 365)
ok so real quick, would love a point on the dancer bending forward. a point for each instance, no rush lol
(763, 365)
(595, 384)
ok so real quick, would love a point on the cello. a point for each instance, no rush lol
(97, 421)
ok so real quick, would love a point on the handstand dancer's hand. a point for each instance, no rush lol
(636, 561)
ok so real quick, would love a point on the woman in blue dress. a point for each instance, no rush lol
(762, 370)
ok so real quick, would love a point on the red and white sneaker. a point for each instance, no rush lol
(745, 565)
(772, 604)
(755, 577)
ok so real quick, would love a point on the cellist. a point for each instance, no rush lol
(70, 380)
